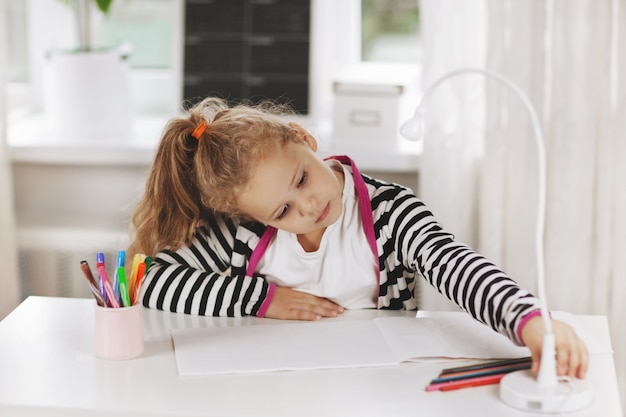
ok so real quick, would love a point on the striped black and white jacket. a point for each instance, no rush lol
(212, 277)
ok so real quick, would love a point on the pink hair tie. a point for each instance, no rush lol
(199, 130)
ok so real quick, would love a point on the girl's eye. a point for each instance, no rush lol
(283, 213)
(285, 209)
(303, 179)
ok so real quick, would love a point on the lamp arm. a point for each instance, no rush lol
(541, 180)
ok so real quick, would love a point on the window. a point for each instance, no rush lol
(147, 25)
(390, 31)
(151, 28)
(17, 69)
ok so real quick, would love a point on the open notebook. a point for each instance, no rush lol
(339, 344)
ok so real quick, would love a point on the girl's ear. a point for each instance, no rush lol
(305, 136)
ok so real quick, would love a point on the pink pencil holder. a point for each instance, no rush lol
(118, 332)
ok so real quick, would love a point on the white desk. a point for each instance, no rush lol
(47, 368)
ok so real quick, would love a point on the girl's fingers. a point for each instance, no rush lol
(289, 304)
(563, 357)
(571, 353)
(572, 356)
(536, 362)
(579, 362)
(321, 307)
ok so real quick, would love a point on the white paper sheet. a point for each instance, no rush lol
(444, 335)
(341, 344)
(280, 347)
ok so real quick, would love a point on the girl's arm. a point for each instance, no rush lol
(197, 279)
(478, 286)
(455, 270)
(181, 288)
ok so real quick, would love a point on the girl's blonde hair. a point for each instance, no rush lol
(192, 180)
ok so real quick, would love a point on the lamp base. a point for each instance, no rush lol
(520, 390)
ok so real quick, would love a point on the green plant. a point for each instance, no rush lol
(104, 5)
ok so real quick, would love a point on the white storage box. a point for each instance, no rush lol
(372, 100)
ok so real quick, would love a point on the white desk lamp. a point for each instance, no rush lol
(547, 393)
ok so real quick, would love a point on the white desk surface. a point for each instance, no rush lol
(47, 368)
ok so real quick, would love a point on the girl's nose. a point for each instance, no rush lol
(308, 206)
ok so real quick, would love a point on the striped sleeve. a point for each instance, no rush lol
(455, 270)
(196, 279)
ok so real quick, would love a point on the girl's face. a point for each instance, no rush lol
(292, 189)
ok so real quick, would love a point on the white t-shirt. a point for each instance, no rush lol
(343, 269)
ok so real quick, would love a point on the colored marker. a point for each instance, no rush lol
(93, 284)
(121, 258)
(100, 260)
(104, 277)
(148, 262)
(141, 269)
(123, 287)
(137, 259)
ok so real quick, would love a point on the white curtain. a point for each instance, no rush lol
(569, 56)
(9, 279)
(453, 36)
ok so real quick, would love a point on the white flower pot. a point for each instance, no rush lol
(87, 95)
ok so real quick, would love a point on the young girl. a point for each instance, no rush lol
(243, 218)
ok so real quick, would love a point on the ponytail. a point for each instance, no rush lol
(170, 209)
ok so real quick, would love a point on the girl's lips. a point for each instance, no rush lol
(323, 214)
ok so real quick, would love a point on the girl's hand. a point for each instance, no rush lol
(288, 304)
(572, 357)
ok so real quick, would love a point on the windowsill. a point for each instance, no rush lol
(30, 140)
